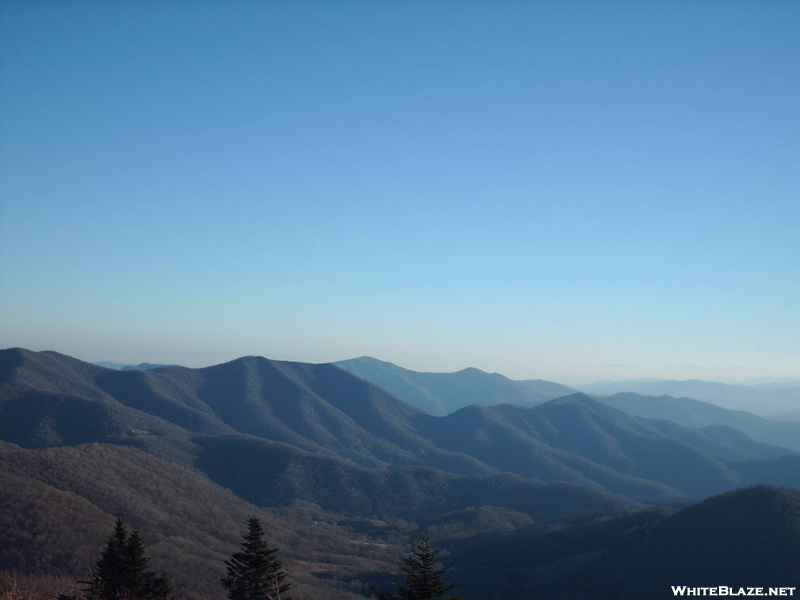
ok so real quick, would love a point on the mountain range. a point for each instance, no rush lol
(312, 412)
(139, 367)
(695, 413)
(316, 441)
(443, 393)
(765, 401)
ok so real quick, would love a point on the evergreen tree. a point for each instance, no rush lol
(121, 572)
(254, 573)
(138, 581)
(424, 581)
(108, 577)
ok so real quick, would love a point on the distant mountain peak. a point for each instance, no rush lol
(576, 398)
(764, 401)
(147, 367)
(474, 370)
(443, 393)
(371, 359)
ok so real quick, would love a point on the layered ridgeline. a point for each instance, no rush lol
(765, 401)
(695, 413)
(312, 424)
(443, 393)
(139, 367)
(305, 439)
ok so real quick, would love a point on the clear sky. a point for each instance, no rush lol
(548, 189)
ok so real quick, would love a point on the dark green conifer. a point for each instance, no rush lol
(254, 573)
(121, 572)
(139, 582)
(135, 566)
(424, 581)
(110, 570)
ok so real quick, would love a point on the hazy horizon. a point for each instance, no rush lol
(564, 191)
(196, 361)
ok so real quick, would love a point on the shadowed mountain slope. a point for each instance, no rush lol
(748, 537)
(442, 393)
(272, 474)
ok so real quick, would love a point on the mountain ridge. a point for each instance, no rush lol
(765, 401)
(300, 440)
(696, 413)
(327, 411)
(442, 393)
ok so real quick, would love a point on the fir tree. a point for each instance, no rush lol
(121, 572)
(108, 577)
(135, 563)
(424, 581)
(138, 581)
(254, 573)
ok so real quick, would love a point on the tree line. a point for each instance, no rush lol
(253, 573)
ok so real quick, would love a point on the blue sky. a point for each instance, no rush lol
(564, 190)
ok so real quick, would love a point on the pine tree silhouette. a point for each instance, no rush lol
(424, 581)
(109, 575)
(121, 571)
(254, 573)
(139, 582)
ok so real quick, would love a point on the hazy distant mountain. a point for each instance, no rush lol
(111, 365)
(139, 367)
(759, 400)
(766, 382)
(146, 367)
(442, 393)
(547, 390)
(694, 413)
(791, 416)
